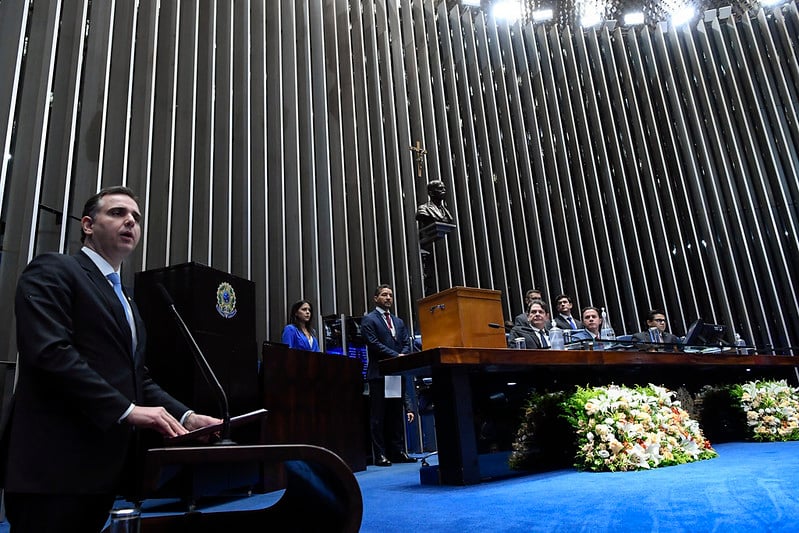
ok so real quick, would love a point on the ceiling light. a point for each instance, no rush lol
(682, 15)
(509, 10)
(592, 16)
(632, 19)
(542, 15)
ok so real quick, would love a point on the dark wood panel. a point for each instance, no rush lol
(315, 398)
(502, 359)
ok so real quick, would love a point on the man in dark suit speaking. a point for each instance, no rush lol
(386, 336)
(82, 383)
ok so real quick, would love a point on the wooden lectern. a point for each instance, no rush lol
(459, 317)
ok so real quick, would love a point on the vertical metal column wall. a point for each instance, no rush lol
(631, 168)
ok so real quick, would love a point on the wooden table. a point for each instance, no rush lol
(456, 370)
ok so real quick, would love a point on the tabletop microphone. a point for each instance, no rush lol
(507, 327)
(205, 368)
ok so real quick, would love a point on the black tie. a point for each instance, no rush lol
(543, 339)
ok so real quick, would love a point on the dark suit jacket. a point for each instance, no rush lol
(77, 376)
(643, 336)
(562, 324)
(531, 338)
(380, 344)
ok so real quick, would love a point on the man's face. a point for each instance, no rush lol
(530, 296)
(564, 306)
(115, 229)
(385, 298)
(537, 317)
(591, 320)
(658, 321)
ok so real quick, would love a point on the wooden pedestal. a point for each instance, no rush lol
(459, 317)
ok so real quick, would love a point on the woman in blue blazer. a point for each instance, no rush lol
(298, 333)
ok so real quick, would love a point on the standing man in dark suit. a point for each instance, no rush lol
(386, 336)
(82, 386)
(656, 332)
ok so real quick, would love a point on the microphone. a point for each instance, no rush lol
(205, 368)
(508, 328)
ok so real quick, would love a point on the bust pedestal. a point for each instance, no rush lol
(429, 235)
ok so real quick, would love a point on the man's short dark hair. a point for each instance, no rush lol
(542, 303)
(93, 204)
(379, 288)
(598, 312)
(562, 296)
(650, 315)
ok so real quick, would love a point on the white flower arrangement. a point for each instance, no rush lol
(621, 429)
(771, 408)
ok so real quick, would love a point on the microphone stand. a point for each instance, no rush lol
(205, 369)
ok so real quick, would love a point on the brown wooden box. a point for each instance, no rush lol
(460, 316)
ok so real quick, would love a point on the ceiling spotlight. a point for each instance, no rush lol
(632, 19)
(510, 10)
(591, 16)
(682, 16)
(542, 15)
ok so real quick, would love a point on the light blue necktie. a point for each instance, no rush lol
(571, 322)
(113, 277)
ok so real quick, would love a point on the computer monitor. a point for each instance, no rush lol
(703, 334)
(356, 345)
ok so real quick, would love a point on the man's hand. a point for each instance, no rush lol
(156, 418)
(197, 421)
(410, 416)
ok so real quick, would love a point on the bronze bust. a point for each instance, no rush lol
(435, 210)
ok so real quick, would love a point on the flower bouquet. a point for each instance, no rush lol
(621, 429)
(771, 408)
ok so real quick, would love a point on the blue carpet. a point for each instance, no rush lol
(750, 487)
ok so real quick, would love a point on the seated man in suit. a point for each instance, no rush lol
(536, 333)
(564, 318)
(529, 296)
(656, 334)
(592, 321)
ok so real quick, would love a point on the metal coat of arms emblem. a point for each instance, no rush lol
(226, 300)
